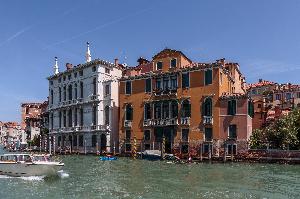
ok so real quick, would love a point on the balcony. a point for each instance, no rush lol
(100, 127)
(94, 97)
(165, 122)
(185, 121)
(207, 120)
(163, 92)
(128, 123)
(147, 122)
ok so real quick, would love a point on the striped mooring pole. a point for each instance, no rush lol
(134, 148)
(163, 147)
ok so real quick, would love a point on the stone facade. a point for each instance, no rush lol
(84, 107)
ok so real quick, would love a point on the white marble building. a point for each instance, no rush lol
(83, 106)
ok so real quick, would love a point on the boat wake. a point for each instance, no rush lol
(29, 178)
(63, 174)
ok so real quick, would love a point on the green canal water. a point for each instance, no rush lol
(87, 177)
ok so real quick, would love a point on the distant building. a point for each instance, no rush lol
(31, 119)
(191, 105)
(11, 133)
(272, 100)
(83, 106)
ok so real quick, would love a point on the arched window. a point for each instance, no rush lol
(147, 111)
(94, 115)
(174, 109)
(166, 110)
(75, 91)
(81, 89)
(186, 108)
(106, 115)
(207, 107)
(70, 92)
(94, 86)
(128, 112)
(51, 97)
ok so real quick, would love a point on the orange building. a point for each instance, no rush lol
(174, 99)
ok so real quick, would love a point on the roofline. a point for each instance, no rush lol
(85, 65)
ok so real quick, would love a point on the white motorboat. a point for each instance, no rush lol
(23, 165)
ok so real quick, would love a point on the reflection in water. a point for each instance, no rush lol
(87, 177)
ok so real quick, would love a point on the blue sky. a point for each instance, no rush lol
(262, 36)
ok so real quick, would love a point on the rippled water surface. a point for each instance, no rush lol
(87, 177)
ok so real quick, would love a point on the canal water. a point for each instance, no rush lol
(87, 177)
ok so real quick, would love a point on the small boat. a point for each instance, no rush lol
(105, 158)
(151, 155)
(24, 165)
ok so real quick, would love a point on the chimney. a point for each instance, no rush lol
(69, 66)
(142, 61)
(116, 61)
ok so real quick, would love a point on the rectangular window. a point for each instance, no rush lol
(165, 83)
(231, 148)
(81, 117)
(94, 69)
(94, 140)
(128, 88)
(59, 141)
(298, 95)
(107, 71)
(157, 110)
(159, 65)
(158, 84)
(185, 80)
(185, 135)
(173, 82)
(147, 135)
(288, 96)
(75, 75)
(232, 132)
(148, 85)
(81, 73)
(69, 77)
(231, 109)
(208, 134)
(107, 89)
(81, 140)
(173, 63)
(221, 78)
(147, 111)
(75, 140)
(208, 77)
(127, 134)
(277, 97)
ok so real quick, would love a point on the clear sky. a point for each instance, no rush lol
(263, 36)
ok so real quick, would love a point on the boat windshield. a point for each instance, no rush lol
(9, 158)
(41, 158)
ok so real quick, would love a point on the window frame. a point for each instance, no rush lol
(175, 63)
(157, 65)
(150, 89)
(228, 132)
(188, 75)
(188, 132)
(211, 77)
(149, 130)
(128, 81)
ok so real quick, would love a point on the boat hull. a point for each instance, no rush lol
(29, 169)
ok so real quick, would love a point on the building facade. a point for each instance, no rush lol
(180, 102)
(272, 100)
(83, 106)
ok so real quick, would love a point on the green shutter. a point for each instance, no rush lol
(208, 77)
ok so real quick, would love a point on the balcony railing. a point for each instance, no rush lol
(147, 122)
(94, 97)
(128, 123)
(99, 127)
(207, 120)
(168, 91)
(165, 122)
(185, 120)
